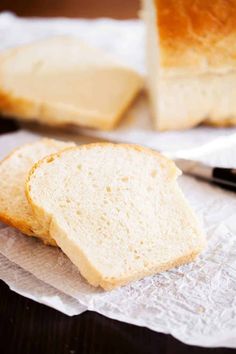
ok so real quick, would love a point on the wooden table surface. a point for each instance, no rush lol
(30, 328)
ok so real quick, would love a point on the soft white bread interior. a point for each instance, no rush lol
(115, 210)
(60, 81)
(191, 51)
(14, 207)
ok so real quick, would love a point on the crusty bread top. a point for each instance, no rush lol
(197, 35)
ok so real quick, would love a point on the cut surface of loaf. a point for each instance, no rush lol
(14, 207)
(115, 210)
(191, 51)
(60, 81)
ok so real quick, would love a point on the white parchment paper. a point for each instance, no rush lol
(195, 303)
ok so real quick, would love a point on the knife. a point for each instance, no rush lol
(223, 177)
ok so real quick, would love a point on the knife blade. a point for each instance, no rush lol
(223, 177)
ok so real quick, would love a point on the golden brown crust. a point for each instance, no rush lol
(17, 223)
(23, 227)
(224, 123)
(15, 107)
(197, 34)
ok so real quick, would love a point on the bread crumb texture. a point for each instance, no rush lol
(115, 210)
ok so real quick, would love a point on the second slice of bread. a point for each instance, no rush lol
(14, 207)
(115, 210)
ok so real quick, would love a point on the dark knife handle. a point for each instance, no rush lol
(225, 178)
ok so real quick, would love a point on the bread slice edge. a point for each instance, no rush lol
(19, 223)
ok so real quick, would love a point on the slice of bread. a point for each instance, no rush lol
(115, 210)
(60, 81)
(14, 207)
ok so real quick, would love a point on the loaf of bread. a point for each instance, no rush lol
(115, 210)
(60, 81)
(191, 56)
(14, 207)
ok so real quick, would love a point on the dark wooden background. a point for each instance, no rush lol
(121, 9)
(30, 328)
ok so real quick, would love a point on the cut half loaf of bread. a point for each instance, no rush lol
(14, 207)
(61, 81)
(191, 59)
(115, 210)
